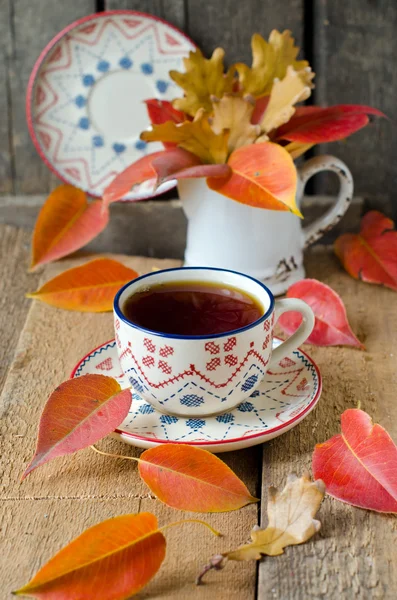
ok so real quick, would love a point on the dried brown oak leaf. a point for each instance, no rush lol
(291, 515)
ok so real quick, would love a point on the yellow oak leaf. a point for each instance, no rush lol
(195, 136)
(234, 114)
(270, 61)
(284, 95)
(291, 515)
(296, 149)
(203, 78)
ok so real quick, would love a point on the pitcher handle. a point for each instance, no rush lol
(316, 230)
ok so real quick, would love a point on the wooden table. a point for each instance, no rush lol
(350, 557)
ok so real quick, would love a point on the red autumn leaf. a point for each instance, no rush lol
(159, 167)
(65, 223)
(112, 560)
(259, 110)
(79, 413)
(88, 288)
(331, 327)
(371, 255)
(161, 111)
(315, 125)
(359, 465)
(193, 479)
(263, 175)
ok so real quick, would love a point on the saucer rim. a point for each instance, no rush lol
(33, 79)
(220, 442)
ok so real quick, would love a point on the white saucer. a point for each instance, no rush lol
(85, 100)
(284, 398)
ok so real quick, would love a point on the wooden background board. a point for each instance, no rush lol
(352, 556)
(351, 44)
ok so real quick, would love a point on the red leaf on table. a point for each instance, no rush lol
(112, 560)
(371, 255)
(65, 223)
(193, 479)
(263, 175)
(331, 327)
(359, 465)
(79, 413)
(315, 125)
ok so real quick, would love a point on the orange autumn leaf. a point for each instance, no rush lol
(263, 176)
(371, 255)
(79, 413)
(66, 222)
(88, 288)
(193, 479)
(115, 559)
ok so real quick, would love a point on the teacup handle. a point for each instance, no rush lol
(300, 335)
(324, 223)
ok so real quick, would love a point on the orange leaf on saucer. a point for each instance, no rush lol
(193, 479)
(359, 465)
(65, 223)
(331, 327)
(79, 413)
(89, 288)
(371, 255)
(263, 176)
(112, 560)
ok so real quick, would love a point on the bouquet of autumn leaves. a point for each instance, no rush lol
(241, 129)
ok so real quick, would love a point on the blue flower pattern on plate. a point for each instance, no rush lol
(147, 68)
(80, 101)
(162, 86)
(113, 51)
(88, 80)
(103, 66)
(125, 63)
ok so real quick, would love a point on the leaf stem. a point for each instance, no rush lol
(114, 455)
(214, 531)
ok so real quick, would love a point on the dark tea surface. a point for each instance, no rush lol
(192, 308)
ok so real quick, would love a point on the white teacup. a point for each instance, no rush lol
(199, 376)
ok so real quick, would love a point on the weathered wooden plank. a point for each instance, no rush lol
(36, 512)
(353, 45)
(157, 228)
(14, 281)
(172, 11)
(33, 24)
(190, 546)
(230, 24)
(352, 556)
(51, 343)
(6, 166)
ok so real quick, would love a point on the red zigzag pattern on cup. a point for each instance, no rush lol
(193, 371)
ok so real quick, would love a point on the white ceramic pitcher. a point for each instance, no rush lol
(265, 244)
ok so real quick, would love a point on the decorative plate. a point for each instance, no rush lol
(283, 399)
(85, 100)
